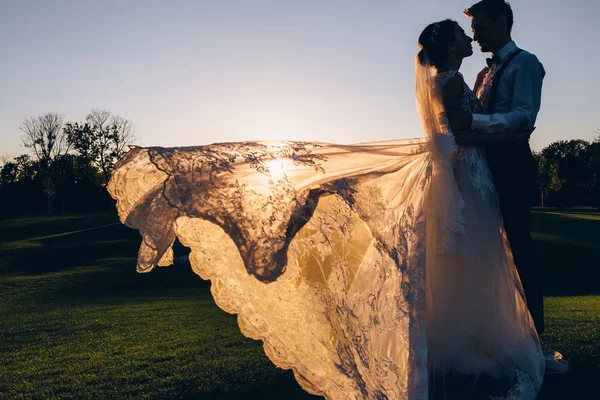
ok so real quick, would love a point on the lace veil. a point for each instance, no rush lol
(444, 202)
(320, 249)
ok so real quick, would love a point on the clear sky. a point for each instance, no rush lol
(204, 71)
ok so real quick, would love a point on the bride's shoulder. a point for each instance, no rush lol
(451, 77)
(452, 86)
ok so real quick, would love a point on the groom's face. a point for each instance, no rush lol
(486, 32)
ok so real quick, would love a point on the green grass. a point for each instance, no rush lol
(77, 321)
(568, 247)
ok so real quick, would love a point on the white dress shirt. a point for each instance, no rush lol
(518, 96)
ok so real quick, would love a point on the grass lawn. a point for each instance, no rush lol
(77, 321)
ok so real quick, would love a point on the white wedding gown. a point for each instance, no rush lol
(368, 269)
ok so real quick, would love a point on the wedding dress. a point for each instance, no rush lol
(367, 269)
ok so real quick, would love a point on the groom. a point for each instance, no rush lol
(510, 90)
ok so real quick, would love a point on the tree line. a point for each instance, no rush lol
(70, 164)
(569, 173)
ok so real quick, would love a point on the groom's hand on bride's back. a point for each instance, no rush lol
(460, 120)
(463, 137)
(476, 138)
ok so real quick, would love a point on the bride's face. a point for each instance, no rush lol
(461, 47)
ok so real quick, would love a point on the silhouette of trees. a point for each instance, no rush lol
(102, 140)
(593, 160)
(569, 173)
(44, 136)
(548, 178)
(69, 165)
(20, 185)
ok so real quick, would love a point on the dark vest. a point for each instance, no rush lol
(509, 162)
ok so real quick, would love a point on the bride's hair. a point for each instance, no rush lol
(434, 42)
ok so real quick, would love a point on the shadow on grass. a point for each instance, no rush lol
(68, 260)
(564, 242)
(50, 253)
(79, 321)
(567, 246)
(14, 229)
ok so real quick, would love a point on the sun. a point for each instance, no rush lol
(277, 168)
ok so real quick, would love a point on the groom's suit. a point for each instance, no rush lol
(510, 90)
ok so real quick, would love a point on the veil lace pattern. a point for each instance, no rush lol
(318, 248)
(326, 252)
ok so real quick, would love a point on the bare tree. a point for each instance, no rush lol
(125, 135)
(44, 136)
(123, 129)
(115, 135)
(98, 117)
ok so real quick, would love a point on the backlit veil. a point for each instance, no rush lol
(445, 202)
(320, 249)
(477, 317)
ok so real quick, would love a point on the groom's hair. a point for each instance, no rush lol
(493, 9)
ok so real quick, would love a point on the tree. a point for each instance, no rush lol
(20, 185)
(549, 179)
(45, 137)
(594, 167)
(568, 172)
(18, 170)
(102, 140)
(122, 129)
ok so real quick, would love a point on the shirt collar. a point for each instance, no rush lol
(505, 51)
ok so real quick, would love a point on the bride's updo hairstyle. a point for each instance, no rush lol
(434, 41)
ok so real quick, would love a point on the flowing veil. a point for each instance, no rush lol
(320, 249)
(324, 262)
(444, 202)
(477, 317)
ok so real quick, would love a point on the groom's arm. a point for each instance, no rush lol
(526, 100)
(470, 138)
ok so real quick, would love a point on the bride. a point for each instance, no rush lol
(373, 271)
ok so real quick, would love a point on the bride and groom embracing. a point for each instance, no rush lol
(498, 114)
(374, 270)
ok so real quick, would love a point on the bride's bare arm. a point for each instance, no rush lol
(452, 92)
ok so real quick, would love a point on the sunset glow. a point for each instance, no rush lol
(207, 72)
(277, 168)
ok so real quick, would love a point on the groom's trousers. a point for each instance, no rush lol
(515, 171)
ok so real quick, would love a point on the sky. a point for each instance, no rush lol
(206, 71)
